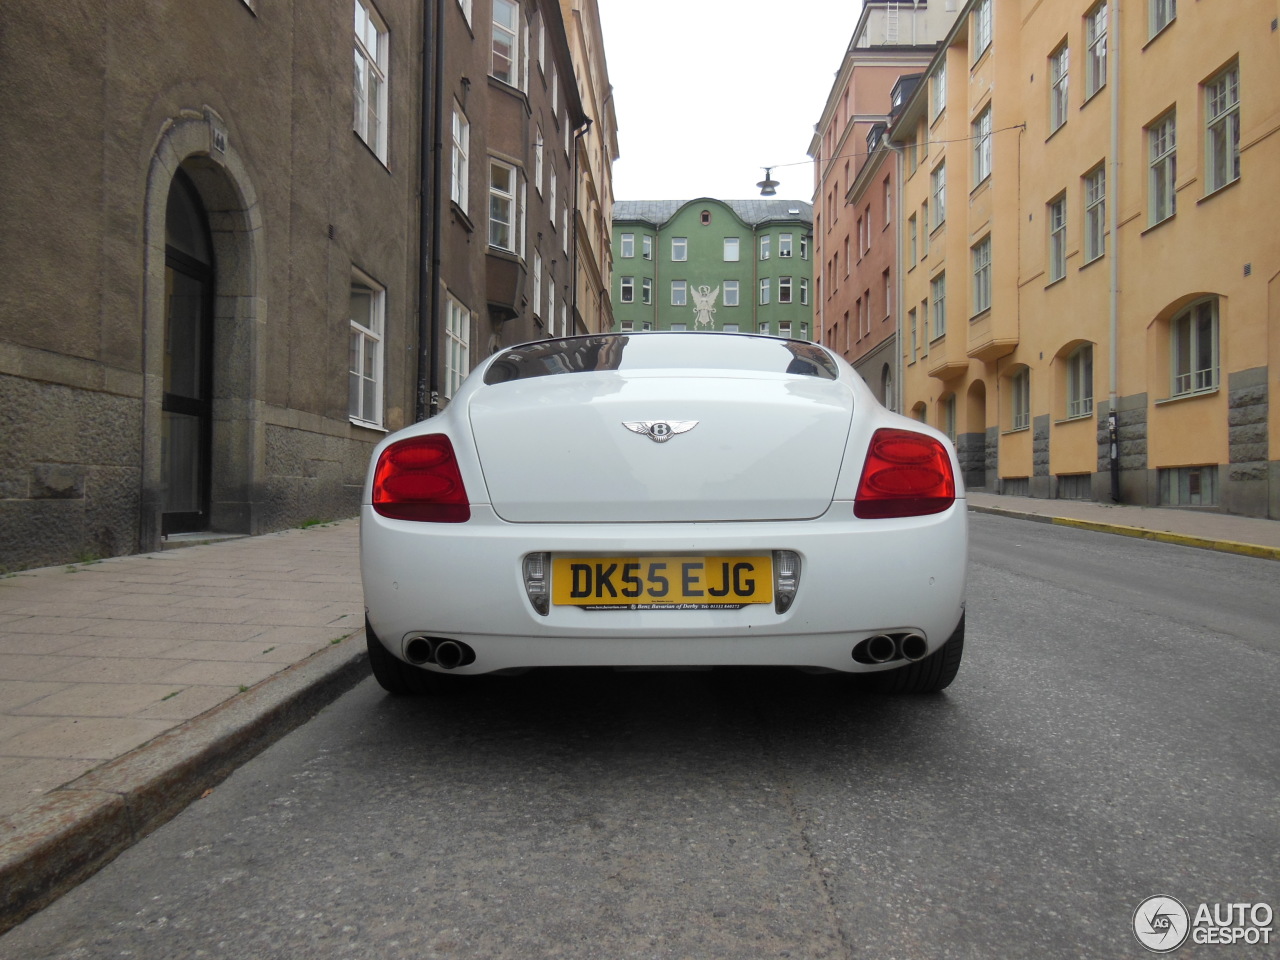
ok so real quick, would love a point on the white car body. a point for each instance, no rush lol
(672, 446)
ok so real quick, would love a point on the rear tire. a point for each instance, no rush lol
(935, 672)
(394, 675)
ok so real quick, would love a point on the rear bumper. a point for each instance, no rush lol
(859, 578)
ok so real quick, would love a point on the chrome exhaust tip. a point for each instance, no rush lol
(880, 648)
(913, 647)
(451, 654)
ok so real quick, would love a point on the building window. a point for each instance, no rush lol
(460, 165)
(457, 346)
(679, 249)
(924, 326)
(887, 197)
(628, 291)
(506, 207)
(784, 289)
(948, 415)
(627, 244)
(938, 294)
(364, 378)
(626, 326)
(1189, 486)
(1020, 398)
(804, 247)
(679, 326)
(764, 291)
(981, 28)
(1095, 41)
(938, 83)
(506, 42)
(784, 244)
(939, 179)
(804, 290)
(679, 293)
(1057, 217)
(1058, 88)
(1222, 142)
(730, 328)
(371, 49)
(982, 146)
(1080, 382)
(913, 239)
(553, 185)
(911, 325)
(646, 247)
(537, 284)
(646, 290)
(1193, 338)
(706, 216)
(1162, 146)
(784, 328)
(731, 245)
(764, 247)
(539, 152)
(1095, 213)
(924, 232)
(466, 10)
(730, 293)
(888, 294)
(1162, 14)
(982, 275)
(551, 307)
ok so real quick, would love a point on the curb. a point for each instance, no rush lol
(1162, 536)
(74, 831)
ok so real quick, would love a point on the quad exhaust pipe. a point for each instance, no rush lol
(883, 647)
(445, 654)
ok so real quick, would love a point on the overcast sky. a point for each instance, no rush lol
(709, 92)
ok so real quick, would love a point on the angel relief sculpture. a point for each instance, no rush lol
(704, 305)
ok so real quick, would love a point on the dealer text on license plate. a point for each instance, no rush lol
(681, 582)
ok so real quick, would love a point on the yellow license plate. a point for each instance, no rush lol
(682, 582)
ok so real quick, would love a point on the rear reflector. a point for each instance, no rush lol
(906, 475)
(418, 479)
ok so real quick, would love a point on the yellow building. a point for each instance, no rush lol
(1095, 278)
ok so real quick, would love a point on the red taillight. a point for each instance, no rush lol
(418, 479)
(906, 475)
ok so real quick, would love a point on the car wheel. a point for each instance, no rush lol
(935, 672)
(394, 675)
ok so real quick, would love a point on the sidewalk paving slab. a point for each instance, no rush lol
(130, 686)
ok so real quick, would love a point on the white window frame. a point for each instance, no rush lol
(460, 188)
(911, 326)
(731, 295)
(804, 290)
(913, 239)
(804, 247)
(784, 328)
(1163, 13)
(457, 354)
(646, 247)
(938, 89)
(938, 294)
(537, 284)
(511, 32)
(365, 368)
(1058, 86)
(539, 148)
(785, 244)
(1222, 129)
(1020, 399)
(513, 202)
(1095, 57)
(982, 146)
(1162, 152)
(1095, 213)
(1080, 382)
(679, 293)
(981, 28)
(784, 289)
(981, 260)
(888, 294)
(627, 290)
(646, 290)
(732, 249)
(679, 249)
(1056, 217)
(765, 297)
(551, 306)
(627, 245)
(371, 39)
(1193, 348)
(764, 247)
(939, 183)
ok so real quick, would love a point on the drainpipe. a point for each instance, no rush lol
(1113, 422)
(427, 398)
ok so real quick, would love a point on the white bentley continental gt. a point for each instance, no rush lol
(665, 500)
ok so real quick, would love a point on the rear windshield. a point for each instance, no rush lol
(663, 351)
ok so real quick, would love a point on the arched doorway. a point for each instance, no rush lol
(974, 455)
(186, 421)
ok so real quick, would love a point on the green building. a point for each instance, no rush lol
(726, 265)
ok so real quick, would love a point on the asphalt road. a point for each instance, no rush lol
(1112, 735)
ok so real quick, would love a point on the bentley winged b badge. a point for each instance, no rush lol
(659, 431)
